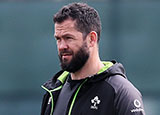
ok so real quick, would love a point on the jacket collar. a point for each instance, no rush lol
(60, 77)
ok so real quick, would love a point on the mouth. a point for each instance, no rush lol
(65, 56)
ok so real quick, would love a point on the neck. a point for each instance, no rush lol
(91, 67)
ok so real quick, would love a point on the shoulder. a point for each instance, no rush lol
(121, 84)
(128, 99)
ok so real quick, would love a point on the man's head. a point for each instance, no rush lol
(86, 17)
(77, 30)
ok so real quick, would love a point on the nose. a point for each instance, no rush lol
(62, 45)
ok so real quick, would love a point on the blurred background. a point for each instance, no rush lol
(28, 53)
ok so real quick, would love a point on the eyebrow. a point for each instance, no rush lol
(63, 35)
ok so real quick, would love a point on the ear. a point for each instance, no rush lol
(92, 38)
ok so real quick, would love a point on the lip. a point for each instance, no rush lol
(66, 55)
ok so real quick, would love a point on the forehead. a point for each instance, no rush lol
(68, 26)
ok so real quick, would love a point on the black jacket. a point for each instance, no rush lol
(107, 93)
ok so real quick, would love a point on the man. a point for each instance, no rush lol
(86, 85)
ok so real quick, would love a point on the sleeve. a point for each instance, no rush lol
(128, 100)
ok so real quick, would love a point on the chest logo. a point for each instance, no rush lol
(95, 102)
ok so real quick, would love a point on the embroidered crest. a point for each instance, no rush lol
(95, 102)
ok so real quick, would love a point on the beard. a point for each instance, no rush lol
(78, 60)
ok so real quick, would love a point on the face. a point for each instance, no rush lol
(73, 50)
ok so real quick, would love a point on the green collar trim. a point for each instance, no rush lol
(63, 76)
(107, 64)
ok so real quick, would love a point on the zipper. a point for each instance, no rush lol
(61, 78)
(58, 88)
(50, 92)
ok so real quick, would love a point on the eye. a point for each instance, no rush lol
(57, 38)
(68, 37)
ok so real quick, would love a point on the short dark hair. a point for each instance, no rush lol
(87, 18)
